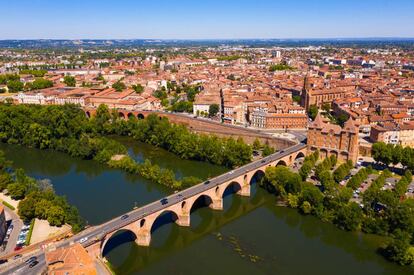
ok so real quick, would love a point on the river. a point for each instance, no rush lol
(250, 236)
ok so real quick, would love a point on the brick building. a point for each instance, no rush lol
(311, 95)
(331, 139)
(272, 120)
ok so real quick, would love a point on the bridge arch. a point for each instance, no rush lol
(230, 188)
(323, 153)
(257, 176)
(281, 162)
(140, 116)
(343, 156)
(130, 115)
(165, 217)
(121, 115)
(201, 201)
(116, 239)
(88, 114)
(299, 155)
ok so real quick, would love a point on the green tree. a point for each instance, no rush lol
(311, 194)
(326, 107)
(70, 81)
(138, 88)
(341, 119)
(5, 180)
(280, 67)
(348, 217)
(55, 216)
(213, 110)
(293, 200)
(296, 98)
(256, 144)
(119, 86)
(17, 190)
(313, 111)
(102, 117)
(306, 207)
(39, 83)
(284, 180)
(15, 86)
(42, 208)
(267, 150)
(27, 208)
(399, 249)
(160, 94)
(182, 106)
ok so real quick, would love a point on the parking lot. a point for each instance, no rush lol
(14, 228)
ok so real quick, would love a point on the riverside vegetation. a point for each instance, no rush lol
(37, 198)
(67, 129)
(383, 212)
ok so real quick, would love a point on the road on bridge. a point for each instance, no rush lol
(95, 234)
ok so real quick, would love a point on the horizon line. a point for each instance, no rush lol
(210, 39)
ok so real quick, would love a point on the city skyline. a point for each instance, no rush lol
(184, 20)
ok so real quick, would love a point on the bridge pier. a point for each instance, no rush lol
(217, 204)
(143, 238)
(245, 191)
(183, 220)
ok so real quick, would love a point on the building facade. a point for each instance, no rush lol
(393, 133)
(331, 139)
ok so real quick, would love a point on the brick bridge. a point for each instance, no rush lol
(206, 126)
(177, 207)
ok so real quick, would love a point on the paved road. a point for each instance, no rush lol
(96, 233)
(17, 226)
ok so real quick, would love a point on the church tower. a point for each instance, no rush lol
(304, 98)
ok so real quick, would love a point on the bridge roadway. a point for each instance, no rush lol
(95, 234)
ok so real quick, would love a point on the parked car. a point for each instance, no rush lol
(18, 256)
(10, 229)
(33, 264)
(26, 227)
(31, 259)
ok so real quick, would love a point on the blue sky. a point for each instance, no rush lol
(205, 19)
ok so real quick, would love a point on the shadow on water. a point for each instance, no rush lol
(288, 237)
(118, 239)
(165, 218)
(170, 238)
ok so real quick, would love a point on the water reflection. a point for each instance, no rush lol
(250, 236)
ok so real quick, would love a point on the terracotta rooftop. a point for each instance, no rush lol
(73, 260)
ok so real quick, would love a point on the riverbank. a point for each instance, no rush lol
(278, 235)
